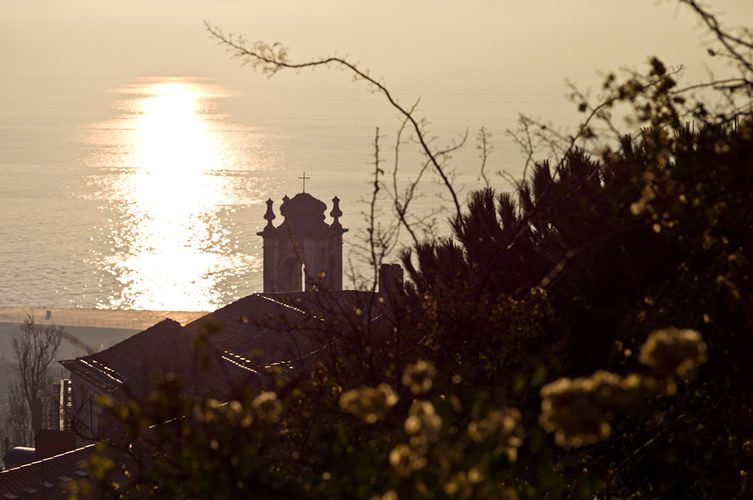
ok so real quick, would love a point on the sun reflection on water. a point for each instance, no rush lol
(172, 139)
(172, 193)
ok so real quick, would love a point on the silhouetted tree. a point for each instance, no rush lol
(35, 346)
(15, 418)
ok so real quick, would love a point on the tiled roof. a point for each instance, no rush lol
(277, 328)
(132, 365)
(258, 328)
(19, 455)
(244, 338)
(44, 478)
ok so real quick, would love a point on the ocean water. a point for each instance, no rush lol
(153, 198)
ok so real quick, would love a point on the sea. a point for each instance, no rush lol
(148, 193)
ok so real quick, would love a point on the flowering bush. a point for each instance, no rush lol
(507, 366)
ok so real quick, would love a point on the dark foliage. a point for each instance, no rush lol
(586, 336)
(562, 280)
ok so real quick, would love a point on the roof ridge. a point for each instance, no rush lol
(46, 459)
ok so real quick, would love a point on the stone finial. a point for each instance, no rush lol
(270, 214)
(284, 206)
(336, 213)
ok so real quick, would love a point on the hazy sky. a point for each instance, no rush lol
(478, 50)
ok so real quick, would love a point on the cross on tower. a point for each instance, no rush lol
(304, 180)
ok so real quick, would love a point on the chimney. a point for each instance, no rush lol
(49, 443)
(390, 279)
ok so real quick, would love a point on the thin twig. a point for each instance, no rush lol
(273, 58)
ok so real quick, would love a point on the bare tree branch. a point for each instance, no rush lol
(273, 58)
(35, 347)
(485, 148)
(731, 43)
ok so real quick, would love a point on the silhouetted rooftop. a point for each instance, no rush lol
(45, 478)
(132, 365)
(244, 339)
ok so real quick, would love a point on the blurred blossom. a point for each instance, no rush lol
(369, 403)
(475, 475)
(672, 351)
(578, 411)
(388, 495)
(418, 377)
(502, 428)
(235, 406)
(423, 419)
(319, 374)
(497, 424)
(457, 485)
(267, 406)
(406, 460)
(572, 410)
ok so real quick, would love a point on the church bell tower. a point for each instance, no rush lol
(303, 252)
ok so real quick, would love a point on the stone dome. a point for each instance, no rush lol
(304, 213)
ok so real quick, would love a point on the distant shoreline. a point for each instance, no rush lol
(97, 318)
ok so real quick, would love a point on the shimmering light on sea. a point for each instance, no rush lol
(172, 191)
